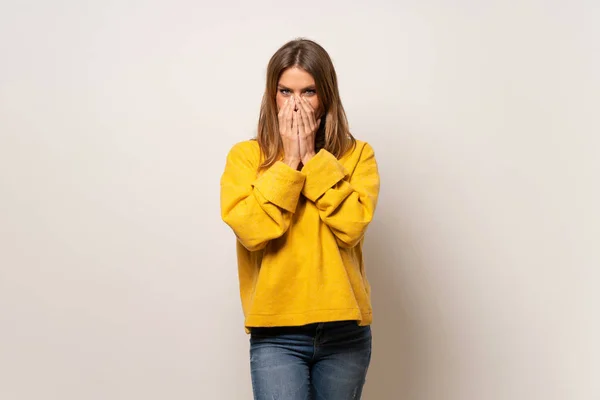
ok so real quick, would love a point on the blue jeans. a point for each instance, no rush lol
(325, 361)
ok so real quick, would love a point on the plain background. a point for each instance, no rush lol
(118, 278)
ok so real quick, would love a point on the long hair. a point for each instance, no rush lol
(333, 134)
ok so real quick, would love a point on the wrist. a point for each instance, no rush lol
(292, 162)
(307, 157)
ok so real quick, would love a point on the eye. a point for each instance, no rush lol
(310, 92)
(284, 92)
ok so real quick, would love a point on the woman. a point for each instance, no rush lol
(299, 199)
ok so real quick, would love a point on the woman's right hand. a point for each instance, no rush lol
(288, 129)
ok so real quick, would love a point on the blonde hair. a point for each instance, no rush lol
(311, 57)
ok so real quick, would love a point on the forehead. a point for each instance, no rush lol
(295, 77)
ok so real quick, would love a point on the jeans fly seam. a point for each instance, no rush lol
(316, 340)
(314, 347)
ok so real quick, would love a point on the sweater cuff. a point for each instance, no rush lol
(281, 185)
(322, 172)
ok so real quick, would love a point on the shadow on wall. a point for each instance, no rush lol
(400, 344)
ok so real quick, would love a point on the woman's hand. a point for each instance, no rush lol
(288, 129)
(307, 128)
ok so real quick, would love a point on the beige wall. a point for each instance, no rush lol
(118, 279)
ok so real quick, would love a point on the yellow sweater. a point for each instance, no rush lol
(300, 235)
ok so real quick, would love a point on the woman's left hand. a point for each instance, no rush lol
(307, 129)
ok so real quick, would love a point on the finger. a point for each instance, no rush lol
(295, 123)
(288, 106)
(289, 113)
(308, 106)
(309, 112)
(283, 108)
(305, 106)
(285, 120)
(307, 127)
(314, 125)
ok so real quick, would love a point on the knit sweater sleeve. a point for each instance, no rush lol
(258, 208)
(346, 201)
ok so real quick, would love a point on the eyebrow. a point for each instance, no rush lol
(311, 87)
